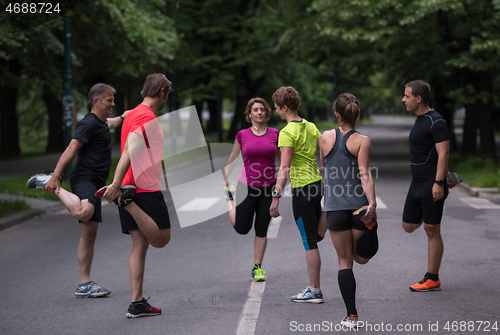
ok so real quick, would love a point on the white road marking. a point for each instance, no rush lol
(199, 204)
(479, 203)
(381, 204)
(251, 309)
(274, 226)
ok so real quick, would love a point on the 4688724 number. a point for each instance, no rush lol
(33, 8)
(471, 326)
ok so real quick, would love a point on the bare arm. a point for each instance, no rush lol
(443, 151)
(366, 177)
(116, 121)
(134, 142)
(232, 161)
(286, 160)
(54, 183)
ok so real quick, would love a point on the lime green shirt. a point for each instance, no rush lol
(302, 136)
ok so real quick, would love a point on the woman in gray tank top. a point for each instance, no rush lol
(348, 185)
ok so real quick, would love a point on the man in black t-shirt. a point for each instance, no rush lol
(92, 143)
(429, 151)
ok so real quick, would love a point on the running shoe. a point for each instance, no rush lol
(90, 290)
(453, 179)
(230, 189)
(142, 309)
(350, 321)
(128, 193)
(308, 296)
(258, 273)
(38, 180)
(426, 285)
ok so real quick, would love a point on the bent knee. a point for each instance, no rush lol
(242, 230)
(410, 227)
(361, 260)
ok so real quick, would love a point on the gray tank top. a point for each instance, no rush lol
(343, 190)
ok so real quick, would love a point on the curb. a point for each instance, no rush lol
(19, 217)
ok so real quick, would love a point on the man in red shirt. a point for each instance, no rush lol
(145, 215)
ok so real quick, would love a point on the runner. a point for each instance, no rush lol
(259, 147)
(298, 141)
(92, 143)
(144, 215)
(348, 186)
(429, 151)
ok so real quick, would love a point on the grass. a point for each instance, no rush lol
(475, 171)
(11, 206)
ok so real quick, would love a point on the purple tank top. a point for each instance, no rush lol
(259, 152)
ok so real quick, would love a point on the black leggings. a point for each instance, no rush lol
(257, 200)
(306, 205)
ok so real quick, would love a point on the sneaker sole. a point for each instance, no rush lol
(96, 295)
(258, 280)
(311, 301)
(133, 316)
(426, 289)
(349, 327)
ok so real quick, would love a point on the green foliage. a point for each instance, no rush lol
(475, 171)
(11, 206)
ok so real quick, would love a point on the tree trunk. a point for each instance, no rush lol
(55, 111)
(9, 125)
(213, 108)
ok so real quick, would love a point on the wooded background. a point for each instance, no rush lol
(224, 52)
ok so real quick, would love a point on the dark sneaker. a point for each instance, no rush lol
(258, 273)
(38, 180)
(308, 296)
(128, 193)
(230, 189)
(90, 290)
(142, 309)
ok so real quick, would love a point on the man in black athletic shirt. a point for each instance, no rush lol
(429, 151)
(92, 143)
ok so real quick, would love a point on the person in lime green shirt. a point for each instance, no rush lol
(298, 141)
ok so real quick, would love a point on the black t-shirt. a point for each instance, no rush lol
(94, 158)
(429, 129)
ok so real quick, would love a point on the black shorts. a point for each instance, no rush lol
(343, 220)
(153, 204)
(85, 189)
(421, 205)
(256, 203)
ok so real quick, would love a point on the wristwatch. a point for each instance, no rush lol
(275, 194)
(439, 182)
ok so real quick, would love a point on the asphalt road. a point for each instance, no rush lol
(201, 279)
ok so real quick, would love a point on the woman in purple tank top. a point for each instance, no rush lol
(259, 148)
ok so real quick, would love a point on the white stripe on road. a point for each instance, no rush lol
(274, 226)
(381, 204)
(251, 310)
(479, 203)
(199, 204)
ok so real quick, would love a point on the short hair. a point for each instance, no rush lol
(97, 91)
(287, 96)
(420, 87)
(257, 100)
(154, 84)
(347, 105)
